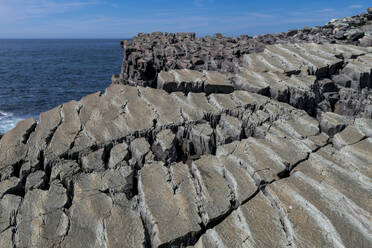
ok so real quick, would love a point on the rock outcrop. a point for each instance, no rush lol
(261, 145)
(148, 54)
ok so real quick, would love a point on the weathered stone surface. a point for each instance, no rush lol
(124, 227)
(317, 185)
(118, 180)
(8, 212)
(217, 196)
(35, 180)
(146, 55)
(228, 129)
(193, 81)
(94, 161)
(202, 139)
(139, 148)
(359, 70)
(65, 133)
(13, 145)
(350, 135)
(95, 219)
(364, 125)
(303, 75)
(41, 221)
(64, 171)
(256, 224)
(118, 155)
(164, 146)
(267, 142)
(10, 186)
(359, 155)
(332, 123)
(170, 215)
(44, 131)
(366, 41)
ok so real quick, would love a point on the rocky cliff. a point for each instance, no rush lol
(204, 142)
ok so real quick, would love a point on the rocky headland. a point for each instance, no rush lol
(208, 142)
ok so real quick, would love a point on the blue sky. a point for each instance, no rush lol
(123, 19)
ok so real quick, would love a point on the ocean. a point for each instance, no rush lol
(37, 75)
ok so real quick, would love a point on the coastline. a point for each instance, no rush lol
(202, 142)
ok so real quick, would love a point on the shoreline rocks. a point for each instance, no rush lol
(203, 142)
(148, 54)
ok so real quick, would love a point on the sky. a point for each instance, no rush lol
(125, 18)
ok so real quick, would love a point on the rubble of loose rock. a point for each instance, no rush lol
(253, 145)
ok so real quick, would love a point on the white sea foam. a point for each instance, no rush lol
(4, 114)
(8, 121)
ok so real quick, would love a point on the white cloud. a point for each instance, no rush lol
(326, 10)
(46, 18)
(356, 6)
(11, 10)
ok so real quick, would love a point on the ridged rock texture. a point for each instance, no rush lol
(204, 142)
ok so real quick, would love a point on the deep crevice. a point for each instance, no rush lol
(147, 243)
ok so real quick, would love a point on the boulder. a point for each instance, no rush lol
(354, 34)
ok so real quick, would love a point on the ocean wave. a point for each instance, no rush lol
(4, 114)
(8, 121)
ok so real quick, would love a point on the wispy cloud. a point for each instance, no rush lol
(355, 6)
(326, 10)
(202, 3)
(104, 18)
(23, 9)
(198, 3)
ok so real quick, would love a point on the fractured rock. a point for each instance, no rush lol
(94, 161)
(332, 123)
(38, 218)
(202, 139)
(35, 180)
(170, 216)
(228, 129)
(350, 135)
(139, 148)
(13, 145)
(118, 155)
(274, 133)
(164, 146)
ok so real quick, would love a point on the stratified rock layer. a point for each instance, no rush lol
(148, 54)
(276, 152)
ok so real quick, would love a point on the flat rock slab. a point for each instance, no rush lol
(193, 81)
(255, 224)
(169, 215)
(96, 220)
(359, 71)
(316, 59)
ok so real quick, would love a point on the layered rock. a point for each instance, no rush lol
(148, 54)
(274, 151)
(308, 76)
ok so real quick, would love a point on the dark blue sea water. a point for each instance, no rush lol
(36, 75)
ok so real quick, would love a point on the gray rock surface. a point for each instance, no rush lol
(146, 55)
(204, 142)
